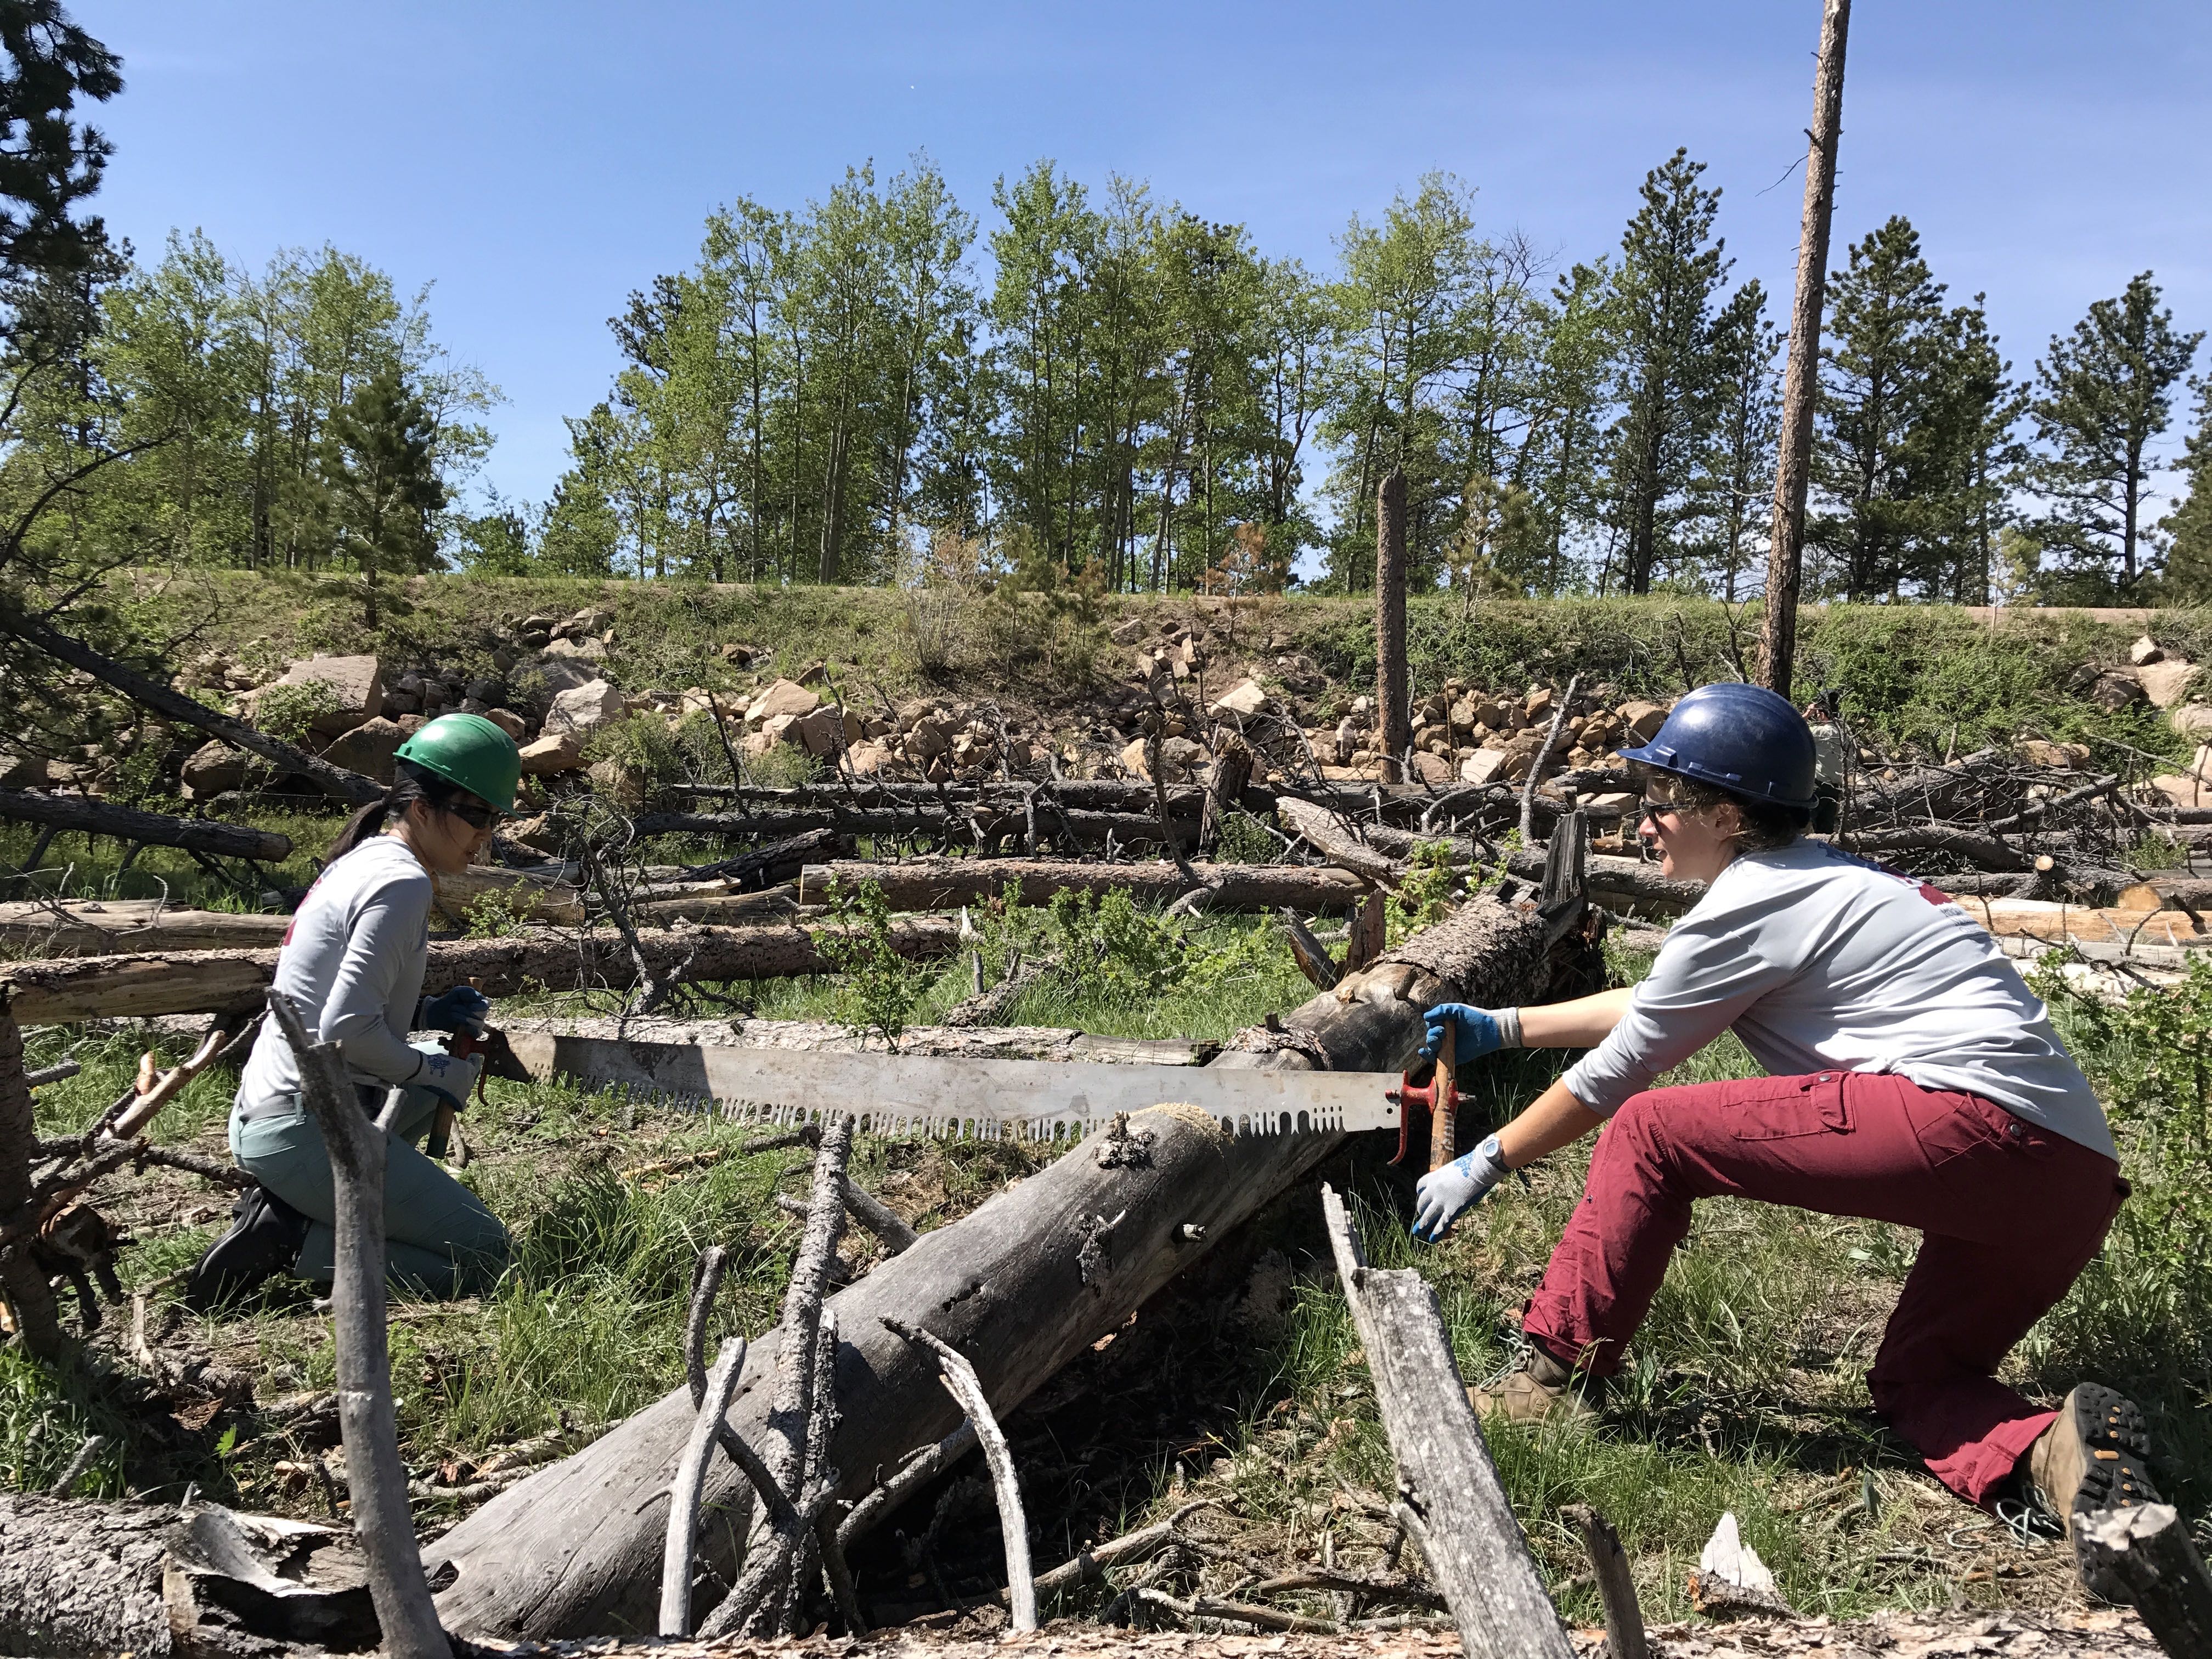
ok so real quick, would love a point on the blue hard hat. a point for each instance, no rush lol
(1742, 738)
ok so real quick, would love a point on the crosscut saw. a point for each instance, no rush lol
(911, 1095)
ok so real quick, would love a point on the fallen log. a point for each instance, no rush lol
(1464, 1523)
(959, 823)
(2050, 920)
(1015, 1285)
(941, 884)
(72, 927)
(58, 993)
(78, 815)
(173, 704)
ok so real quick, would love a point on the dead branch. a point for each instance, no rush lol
(966, 1387)
(1544, 753)
(380, 1514)
(1624, 1618)
(1456, 1507)
(684, 1500)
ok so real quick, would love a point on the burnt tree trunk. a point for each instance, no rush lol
(22, 1280)
(173, 704)
(1800, 384)
(99, 817)
(1017, 1286)
(1393, 715)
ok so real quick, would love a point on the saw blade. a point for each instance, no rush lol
(912, 1096)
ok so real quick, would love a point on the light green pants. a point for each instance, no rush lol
(439, 1238)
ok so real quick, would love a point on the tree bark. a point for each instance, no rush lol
(1393, 717)
(128, 926)
(173, 704)
(127, 824)
(22, 1281)
(1232, 771)
(79, 1579)
(940, 883)
(1801, 382)
(1466, 1527)
(55, 993)
(376, 1478)
(2146, 1548)
(1013, 1285)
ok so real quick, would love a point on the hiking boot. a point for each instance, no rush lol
(2096, 1457)
(1539, 1387)
(264, 1238)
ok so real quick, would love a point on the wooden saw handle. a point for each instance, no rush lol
(1443, 1120)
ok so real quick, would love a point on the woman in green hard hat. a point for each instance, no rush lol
(353, 962)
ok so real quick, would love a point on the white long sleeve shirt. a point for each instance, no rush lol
(1818, 961)
(352, 961)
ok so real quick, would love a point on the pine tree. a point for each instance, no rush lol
(380, 473)
(1743, 426)
(2103, 395)
(2188, 559)
(1879, 453)
(1671, 267)
(1977, 407)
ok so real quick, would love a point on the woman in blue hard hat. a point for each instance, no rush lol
(1915, 1080)
(353, 962)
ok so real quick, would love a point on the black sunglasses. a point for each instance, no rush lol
(476, 815)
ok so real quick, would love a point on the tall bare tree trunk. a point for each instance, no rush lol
(1393, 720)
(1800, 384)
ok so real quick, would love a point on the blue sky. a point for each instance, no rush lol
(538, 160)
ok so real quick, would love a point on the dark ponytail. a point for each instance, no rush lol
(409, 783)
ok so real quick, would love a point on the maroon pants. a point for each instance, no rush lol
(2010, 1213)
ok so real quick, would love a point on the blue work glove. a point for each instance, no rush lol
(1475, 1031)
(461, 1011)
(1441, 1195)
(452, 1078)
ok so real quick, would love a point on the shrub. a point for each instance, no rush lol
(880, 986)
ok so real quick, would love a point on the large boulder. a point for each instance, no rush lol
(556, 751)
(2192, 720)
(357, 682)
(550, 675)
(2116, 689)
(1643, 720)
(210, 769)
(819, 733)
(1245, 699)
(368, 749)
(1430, 766)
(784, 697)
(1483, 766)
(2166, 681)
(587, 706)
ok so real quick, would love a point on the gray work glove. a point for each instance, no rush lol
(1441, 1195)
(452, 1078)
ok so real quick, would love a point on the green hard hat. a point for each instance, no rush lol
(468, 750)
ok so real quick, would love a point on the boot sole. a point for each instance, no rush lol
(2115, 1474)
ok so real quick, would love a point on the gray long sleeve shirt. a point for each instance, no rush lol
(1818, 960)
(352, 961)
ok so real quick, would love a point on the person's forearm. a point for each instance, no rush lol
(1582, 1023)
(1554, 1118)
